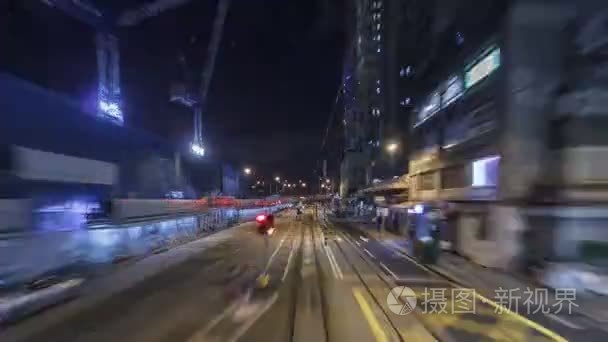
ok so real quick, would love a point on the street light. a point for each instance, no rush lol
(392, 147)
(327, 181)
(303, 185)
(247, 171)
(278, 179)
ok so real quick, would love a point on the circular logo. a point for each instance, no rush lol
(401, 300)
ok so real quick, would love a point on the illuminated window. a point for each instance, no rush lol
(379, 50)
(378, 90)
(482, 68)
(485, 171)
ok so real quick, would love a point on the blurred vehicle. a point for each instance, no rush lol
(265, 224)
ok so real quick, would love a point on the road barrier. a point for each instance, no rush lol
(28, 255)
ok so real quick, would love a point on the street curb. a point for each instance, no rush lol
(18, 307)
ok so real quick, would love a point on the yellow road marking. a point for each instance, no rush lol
(501, 308)
(522, 319)
(369, 316)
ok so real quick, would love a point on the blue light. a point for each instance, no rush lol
(111, 108)
(418, 209)
(65, 213)
(197, 150)
(175, 194)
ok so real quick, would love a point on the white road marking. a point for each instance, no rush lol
(564, 322)
(273, 255)
(200, 335)
(332, 258)
(349, 240)
(422, 280)
(389, 271)
(331, 263)
(369, 253)
(243, 328)
(364, 238)
(288, 263)
(358, 244)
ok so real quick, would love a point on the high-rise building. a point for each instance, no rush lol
(362, 94)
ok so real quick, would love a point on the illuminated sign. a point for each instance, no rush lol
(431, 106)
(482, 68)
(453, 90)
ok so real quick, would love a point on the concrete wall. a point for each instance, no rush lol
(25, 256)
(490, 236)
(123, 209)
(558, 231)
(15, 214)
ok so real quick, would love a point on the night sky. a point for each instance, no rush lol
(274, 85)
(276, 77)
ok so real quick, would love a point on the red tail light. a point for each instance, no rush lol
(260, 218)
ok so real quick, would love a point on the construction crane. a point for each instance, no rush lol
(108, 54)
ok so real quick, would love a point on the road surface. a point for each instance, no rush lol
(327, 283)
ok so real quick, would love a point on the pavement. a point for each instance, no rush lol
(327, 282)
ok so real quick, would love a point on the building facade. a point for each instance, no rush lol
(506, 129)
(369, 93)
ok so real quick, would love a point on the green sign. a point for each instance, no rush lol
(482, 68)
